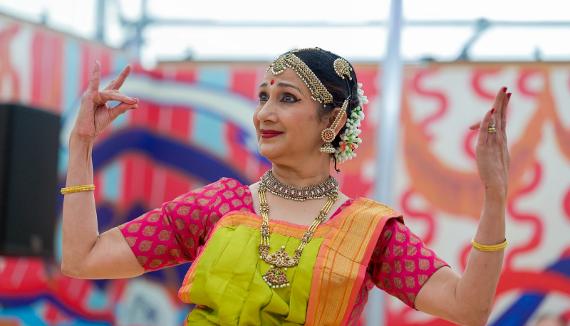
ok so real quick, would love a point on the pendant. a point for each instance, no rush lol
(275, 277)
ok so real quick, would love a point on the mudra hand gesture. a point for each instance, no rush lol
(94, 113)
(492, 152)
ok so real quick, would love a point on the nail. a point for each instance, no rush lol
(493, 111)
(509, 95)
(504, 89)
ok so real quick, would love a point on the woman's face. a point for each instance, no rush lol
(286, 119)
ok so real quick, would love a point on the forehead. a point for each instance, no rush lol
(287, 76)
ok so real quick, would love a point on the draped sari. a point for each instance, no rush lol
(363, 244)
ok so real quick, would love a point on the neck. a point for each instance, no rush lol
(304, 176)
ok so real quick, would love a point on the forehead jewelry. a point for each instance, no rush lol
(272, 82)
(319, 92)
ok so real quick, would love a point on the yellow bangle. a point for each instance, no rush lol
(72, 189)
(495, 247)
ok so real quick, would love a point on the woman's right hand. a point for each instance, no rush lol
(94, 113)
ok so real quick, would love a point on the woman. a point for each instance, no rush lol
(291, 248)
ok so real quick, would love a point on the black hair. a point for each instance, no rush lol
(321, 63)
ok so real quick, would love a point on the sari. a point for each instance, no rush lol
(363, 244)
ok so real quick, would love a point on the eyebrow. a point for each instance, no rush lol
(283, 84)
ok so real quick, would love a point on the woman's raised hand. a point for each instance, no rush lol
(492, 152)
(94, 113)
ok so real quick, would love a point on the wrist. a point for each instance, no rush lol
(495, 195)
(76, 139)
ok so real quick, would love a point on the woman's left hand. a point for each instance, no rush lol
(492, 153)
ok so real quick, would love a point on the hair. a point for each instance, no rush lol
(321, 63)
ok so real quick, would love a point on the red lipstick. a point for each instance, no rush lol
(266, 133)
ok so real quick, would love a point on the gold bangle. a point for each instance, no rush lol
(72, 189)
(495, 247)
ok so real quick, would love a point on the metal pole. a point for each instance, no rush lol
(100, 20)
(387, 137)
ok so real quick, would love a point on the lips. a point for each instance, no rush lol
(269, 133)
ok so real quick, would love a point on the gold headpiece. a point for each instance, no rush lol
(342, 68)
(319, 92)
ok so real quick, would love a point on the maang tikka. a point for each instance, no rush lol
(342, 69)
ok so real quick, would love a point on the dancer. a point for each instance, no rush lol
(291, 248)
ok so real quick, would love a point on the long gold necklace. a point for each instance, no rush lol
(280, 260)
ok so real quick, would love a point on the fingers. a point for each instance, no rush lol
(120, 109)
(483, 133)
(501, 102)
(113, 95)
(116, 83)
(95, 77)
(499, 105)
(504, 113)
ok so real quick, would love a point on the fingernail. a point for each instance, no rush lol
(504, 89)
(493, 111)
(509, 95)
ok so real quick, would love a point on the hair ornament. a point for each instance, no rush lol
(350, 140)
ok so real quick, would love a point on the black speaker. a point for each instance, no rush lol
(29, 146)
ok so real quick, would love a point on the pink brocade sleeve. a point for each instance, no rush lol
(172, 234)
(401, 263)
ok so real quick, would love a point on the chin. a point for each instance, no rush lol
(267, 151)
(270, 151)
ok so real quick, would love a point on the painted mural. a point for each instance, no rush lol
(193, 126)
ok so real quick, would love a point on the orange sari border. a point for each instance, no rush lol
(342, 262)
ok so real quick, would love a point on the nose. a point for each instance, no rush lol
(266, 111)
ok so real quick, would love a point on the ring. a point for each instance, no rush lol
(491, 130)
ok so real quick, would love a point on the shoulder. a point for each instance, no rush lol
(377, 208)
(211, 194)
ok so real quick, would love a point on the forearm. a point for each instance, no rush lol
(476, 288)
(80, 228)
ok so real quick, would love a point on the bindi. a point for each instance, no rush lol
(272, 82)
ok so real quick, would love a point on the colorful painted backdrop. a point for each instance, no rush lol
(194, 126)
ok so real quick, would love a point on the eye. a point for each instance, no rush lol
(263, 97)
(289, 98)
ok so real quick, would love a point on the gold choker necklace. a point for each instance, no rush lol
(318, 191)
(280, 260)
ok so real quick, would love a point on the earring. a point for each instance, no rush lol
(328, 134)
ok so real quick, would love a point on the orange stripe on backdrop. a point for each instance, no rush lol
(436, 181)
(339, 273)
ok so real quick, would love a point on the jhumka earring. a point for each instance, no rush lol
(328, 134)
(342, 69)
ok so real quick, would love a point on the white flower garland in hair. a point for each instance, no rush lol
(350, 140)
